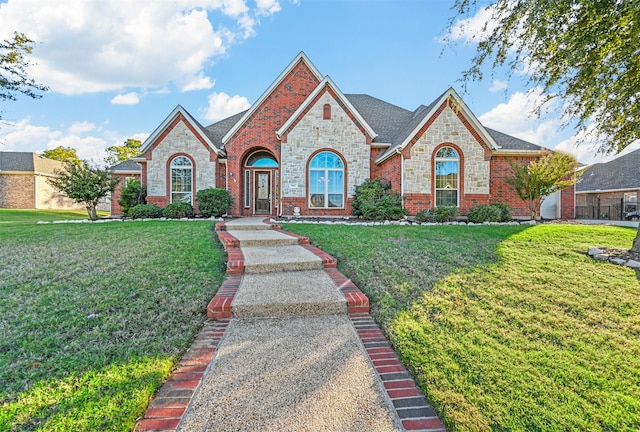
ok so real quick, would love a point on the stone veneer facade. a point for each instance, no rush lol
(446, 130)
(179, 141)
(313, 134)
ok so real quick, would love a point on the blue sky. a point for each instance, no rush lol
(117, 68)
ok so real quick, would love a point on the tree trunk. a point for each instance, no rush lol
(636, 242)
(92, 211)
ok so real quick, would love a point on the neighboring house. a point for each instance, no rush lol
(609, 190)
(304, 146)
(23, 183)
(127, 170)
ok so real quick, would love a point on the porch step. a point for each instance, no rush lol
(264, 238)
(279, 259)
(310, 292)
(244, 224)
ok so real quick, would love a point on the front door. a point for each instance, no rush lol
(263, 192)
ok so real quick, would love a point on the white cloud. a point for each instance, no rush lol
(471, 30)
(516, 117)
(108, 45)
(81, 127)
(498, 85)
(126, 99)
(585, 147)
(90, 143)
(221, 106)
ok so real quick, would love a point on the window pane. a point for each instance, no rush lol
(446, 197)
(316, 182)
(262, 159)
(447, 152)
(326, 160)
(181, 161)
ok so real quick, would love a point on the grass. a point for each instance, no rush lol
(33, 216)
(94, 316)
(504, 328)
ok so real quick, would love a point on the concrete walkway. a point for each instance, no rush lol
(291, 347)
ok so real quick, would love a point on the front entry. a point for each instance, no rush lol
(262, 192)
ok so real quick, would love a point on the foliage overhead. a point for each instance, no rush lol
(13, 69)
(63, 154)
(124, 152)
(84, 185)
(542, 177)
(584, 52)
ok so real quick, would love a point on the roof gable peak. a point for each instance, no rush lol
(300, 58)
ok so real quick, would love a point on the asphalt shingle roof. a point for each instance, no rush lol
(28, 162)
(391, 123)
(621, 173)
(127, 165)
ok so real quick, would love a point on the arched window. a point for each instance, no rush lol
(447, 177)
(262, 159)
(181, 180)
(326, 181)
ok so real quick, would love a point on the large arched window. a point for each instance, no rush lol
(181, 180)
(326, 181)
(447, 177)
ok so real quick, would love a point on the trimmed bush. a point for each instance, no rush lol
(214, 202)
(374, 200)
(132, 194)
(145, 211)
(438, 214)
(178, 210)
(489, 213)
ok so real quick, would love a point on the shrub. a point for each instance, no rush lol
(178, 210)
(505, 210)
(214, 202)
(374, 200)
(145, 211)
(489, 213)
(132, 194)
(439, 214)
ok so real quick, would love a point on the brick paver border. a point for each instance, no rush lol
(165, 412)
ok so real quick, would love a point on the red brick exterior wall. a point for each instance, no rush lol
(567, 203)
(259, 131)
(502, 192)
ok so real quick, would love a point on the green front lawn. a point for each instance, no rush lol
(94, 317)
(9, 216)
(504, 328)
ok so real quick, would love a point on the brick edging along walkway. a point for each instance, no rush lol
(172, 400)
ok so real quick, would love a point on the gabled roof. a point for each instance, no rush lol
(126, 167)
(327, 83)
(385, 118)
(422, 116)
(28, 162)
(620, 173)
(302, 57)
(202, 132)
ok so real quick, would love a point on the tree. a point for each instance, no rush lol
(84, 185)
(542, 177)
(13, 65)
(584, 52)
(121, 153)
(63, 154)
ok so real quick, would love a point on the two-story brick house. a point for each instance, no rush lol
(304, 146)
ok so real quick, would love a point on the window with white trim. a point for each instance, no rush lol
(326, 181)
(181, 180)
(447, 168)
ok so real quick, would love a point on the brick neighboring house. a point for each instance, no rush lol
(303, 146)
(609, 190)
(23, 183)
(126, 171)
